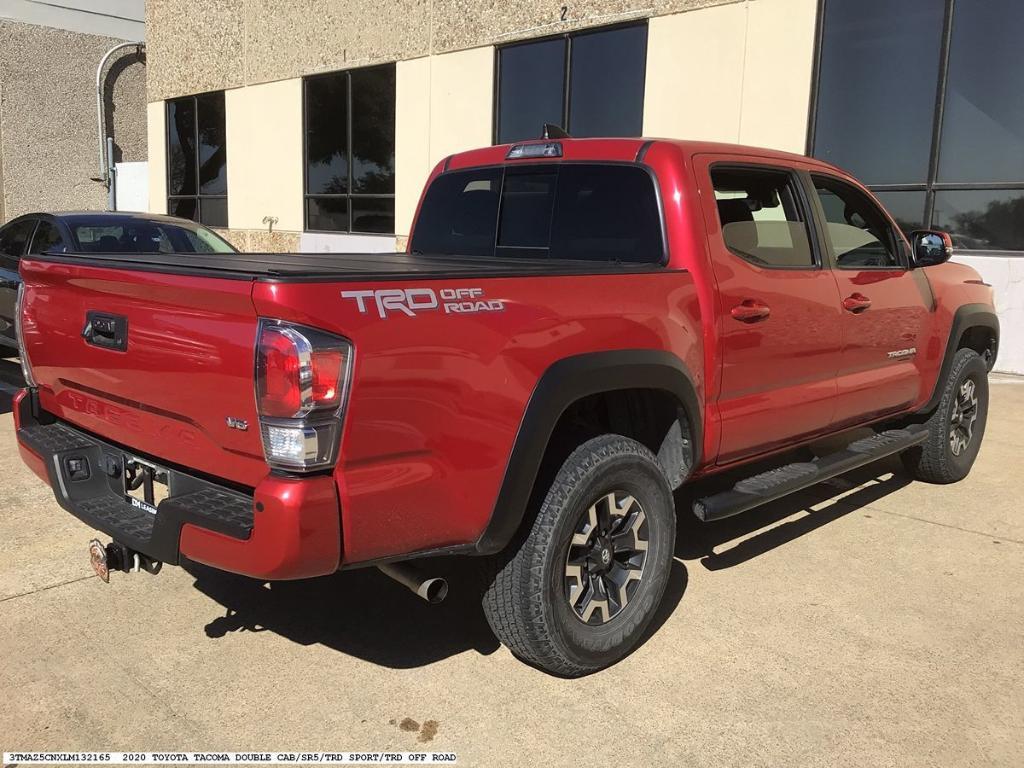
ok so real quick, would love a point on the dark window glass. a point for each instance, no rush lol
(605, 84)
(181, 147)
(876, 90)
(459, 214)
(350, 151)
(761, 219)
(48, 238)
(983, 116)
(197, 158)
(606, 96)
(131, 235)
(530, 89)
(213, 211)
(606, 213)
(373, 132)
(527, 199)
(212, 144)
(14, 237)
(906, 207)
(327, 134)
(327, 214)
(569, 211)
(856, 230)
(982, 219)
(373, 215)
(183, 207)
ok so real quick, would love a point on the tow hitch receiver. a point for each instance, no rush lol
(117, 557)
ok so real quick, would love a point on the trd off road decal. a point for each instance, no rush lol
(410, 301)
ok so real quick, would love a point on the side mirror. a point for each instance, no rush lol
(931, 247)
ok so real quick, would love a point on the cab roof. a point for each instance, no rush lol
(617, 150)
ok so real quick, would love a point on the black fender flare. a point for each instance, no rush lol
(562, 384)
(966, 317)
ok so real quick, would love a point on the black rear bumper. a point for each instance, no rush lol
(80, 468)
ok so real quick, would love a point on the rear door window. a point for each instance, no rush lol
(577, 211)
(761, 217)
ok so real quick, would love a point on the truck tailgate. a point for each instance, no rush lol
(185, 370)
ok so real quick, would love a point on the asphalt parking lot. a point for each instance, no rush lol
(871, 621)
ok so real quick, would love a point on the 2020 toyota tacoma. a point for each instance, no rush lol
(578, 328)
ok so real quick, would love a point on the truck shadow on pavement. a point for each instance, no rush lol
(736, 540)
(364, 614)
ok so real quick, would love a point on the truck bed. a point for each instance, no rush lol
(302, 267)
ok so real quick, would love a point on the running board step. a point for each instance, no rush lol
(775, 483)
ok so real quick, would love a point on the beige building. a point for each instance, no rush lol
(312, 125)
(49, 53)
(444, 58)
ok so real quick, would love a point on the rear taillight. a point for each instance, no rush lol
(301, 381)
(19, 334)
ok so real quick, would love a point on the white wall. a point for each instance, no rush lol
(1006, 276)
(264, 142)
(738, 73)
(132, 188)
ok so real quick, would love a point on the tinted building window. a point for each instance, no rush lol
(606, 89)
(571, 211)
(350, 151)
(941, 146)
(531, 88)
(590, 83)
(197, 184)
(986, 220)
(878, 71)
(983, 115)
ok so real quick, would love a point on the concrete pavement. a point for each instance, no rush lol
(871, 621)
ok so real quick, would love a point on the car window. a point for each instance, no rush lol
(578, 211)
(459, 214)
(144, 236)
(857, 230)
(761, 217)
(527, 199)
(47, 239)
(14, 237)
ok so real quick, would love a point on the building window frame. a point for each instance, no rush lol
(568, 37)
(931, 186)
(198, 196)
(348, 196)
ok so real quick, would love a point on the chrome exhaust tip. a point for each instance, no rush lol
(433, 589)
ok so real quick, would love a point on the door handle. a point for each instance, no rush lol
(750, 311)
(856, 302)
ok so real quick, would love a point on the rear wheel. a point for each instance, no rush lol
(578, 592)
(957, 426)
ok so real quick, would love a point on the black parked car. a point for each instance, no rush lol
(91, 232)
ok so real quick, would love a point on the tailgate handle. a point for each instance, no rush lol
(105, 330)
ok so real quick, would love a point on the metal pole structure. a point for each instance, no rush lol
(111, 176)
(100, 117)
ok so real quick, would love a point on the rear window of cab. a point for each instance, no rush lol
(577, 211)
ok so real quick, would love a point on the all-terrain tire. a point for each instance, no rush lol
(942, 458)
(528, 600)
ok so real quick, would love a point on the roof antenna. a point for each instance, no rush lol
(552, 131)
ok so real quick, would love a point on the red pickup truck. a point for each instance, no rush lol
(579, 327)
